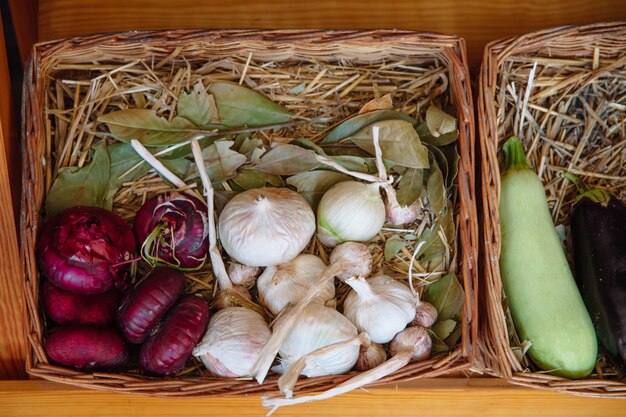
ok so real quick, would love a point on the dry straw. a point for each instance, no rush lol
(320, 76)
(563, 92)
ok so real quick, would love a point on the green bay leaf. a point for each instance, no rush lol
(240, 106)
(286, 159)
(398, 141)
(447, 295)
(85, 186)
(443, 328)
(313, 184)
(410, 187)
(352, 125)
(393, 245)
(148, 128)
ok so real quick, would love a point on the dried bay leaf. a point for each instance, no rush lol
(436, 189)
(84, 186)
(313, 184)
(439, 122)
(380, 103)
(354, 124)
(221, 162)
(308, 144)
(410, 187)
(352, 163)
(286, 159)
(442, 140)
(443, 328)
(398, 141)
(447, 295)
(248, 179)
(148, 128)
(393, 245)
(451, 154)
(239, 106)
(199, 107)
(438, 345)
(249, 145)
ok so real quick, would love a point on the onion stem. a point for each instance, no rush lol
(219, 269)
(156, 164)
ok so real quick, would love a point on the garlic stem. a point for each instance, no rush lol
(288, 380)
(156, 164)
(359, 175)
(380, 165)
(361, 287)
(390, 366)
(159, 153)
(267, 355)
(219, 269)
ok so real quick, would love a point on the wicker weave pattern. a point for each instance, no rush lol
(359, 46)
(607, 42)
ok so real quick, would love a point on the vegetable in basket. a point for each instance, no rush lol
(85, 250)
(598, 229)
(547, 309)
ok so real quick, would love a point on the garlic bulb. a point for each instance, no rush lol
(351, 259)
(317, 327)
(350, 211)
(370, 357)
(266, 226)
(232, 342)
(287, 284)
(425, 315)
(398, 215)
(380, 306)
(243, 275)
(414, 340)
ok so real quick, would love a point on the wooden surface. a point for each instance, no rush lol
(478, 21)
(24, 17)
(435, 398)
(12, 339)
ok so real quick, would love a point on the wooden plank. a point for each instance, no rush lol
(441, 398)
(12, 337)
(24, 17)
(478, 21)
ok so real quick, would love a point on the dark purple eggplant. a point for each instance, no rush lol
(598, 228)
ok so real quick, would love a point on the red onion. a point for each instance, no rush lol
(87, 348)
(146, 303)
(64, 307)
(167, 350)
(84, 250)
(173, 229)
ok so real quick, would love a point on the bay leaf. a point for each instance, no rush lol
(438, 345)
(436, 189)
(84, 186)
(352, 125)
(440, 159)
(452, 156)
(380, 103)
(240, 106)
(185, 150)
(199, 107)
(221, 198)
(313, 184)
(434, 248)
(373, 169)
(248, 179)
(220, 161)
(148, 128)
(410, 187)
(352, 163)
(286, 159)
(393, 245)
(443, 328)
(454, 337)
(447, 295)
(398, 141)
(345, 149)
(442, 140)
(439, 122)
(308, 144)
(249, 145)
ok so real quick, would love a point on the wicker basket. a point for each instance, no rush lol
(275, 46)
(563, 62)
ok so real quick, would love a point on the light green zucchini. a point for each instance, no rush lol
(545, 303)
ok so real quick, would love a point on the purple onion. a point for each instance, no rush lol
(85, 250)
(173, 229)
(148, 301)
(167, 350)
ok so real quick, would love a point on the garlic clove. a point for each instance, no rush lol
(350, 211)
(380, 306)
(398, 215)
(352, 260)
(232, 342)
(287, 284)
(266, 226)
(425, 315)
(370, 357)
(415, 340)
(233, 297)
(243, 275)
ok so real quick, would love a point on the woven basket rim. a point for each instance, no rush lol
(493, 341)
(452, 47)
